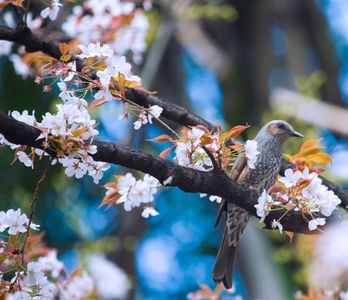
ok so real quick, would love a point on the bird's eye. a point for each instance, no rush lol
(280, 125)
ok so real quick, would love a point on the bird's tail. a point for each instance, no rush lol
(236, 221)
(223, 267)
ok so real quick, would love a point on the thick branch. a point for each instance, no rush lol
(31, 41)
(187, 179)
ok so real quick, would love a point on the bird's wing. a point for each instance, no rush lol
(238, 167)
(237, 218)
(238, 174)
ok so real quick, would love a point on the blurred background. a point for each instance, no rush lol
(231, 62)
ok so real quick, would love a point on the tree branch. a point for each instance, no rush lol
(187, 179)
(34, 42)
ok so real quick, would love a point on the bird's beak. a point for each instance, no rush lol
(296, 134)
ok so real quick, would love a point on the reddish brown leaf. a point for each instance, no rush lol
(290, 235)
(206, 139)
(236, 130)
(165, 152)
(163, 138)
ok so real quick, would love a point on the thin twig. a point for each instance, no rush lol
(33, 202)
(165, 125)
(212, 158)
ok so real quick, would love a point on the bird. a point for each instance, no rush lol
(266, 168)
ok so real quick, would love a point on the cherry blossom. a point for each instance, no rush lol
(313, 224)
(215, 198)
(49, 263)
(263, 205)
(25, 159)
(131, 192)
(145, 117)
(15, 221)
(5, 47)
(149, 211)
(78, 288)
(104, 17)
(111, 282)
(277, 224)
(251, 153)
(290, 178)
(311, 197)
(52, 10)
(154, 111)
(20, 67)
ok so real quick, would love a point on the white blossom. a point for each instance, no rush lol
(313, 188)
(50, 263)
(73, 167)
(169, 180)
(263, 205)
(78, 288)
(15, 221)
(149, 211)
(277, 224)
(142, 120)
(290, 178)
(313, 224)
(20, 67)
(154, 111)
(111, 282)
(52, 10)
(92, 27)
(215, 198)
(135, 192)
(95, 50)
(251, 153)
(183, 151)
(25, 159)
(5, 47)
(194, 135)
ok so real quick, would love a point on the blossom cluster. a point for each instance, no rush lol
(146, 116)
(132, 193)
(189, 151)
(113, 74)
(115, 67)
(120, 24)
(68, 133)
(301, 190)
(23, 276)
(192, 149)
(30, 270)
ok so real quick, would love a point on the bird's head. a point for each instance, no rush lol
(280, 130)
